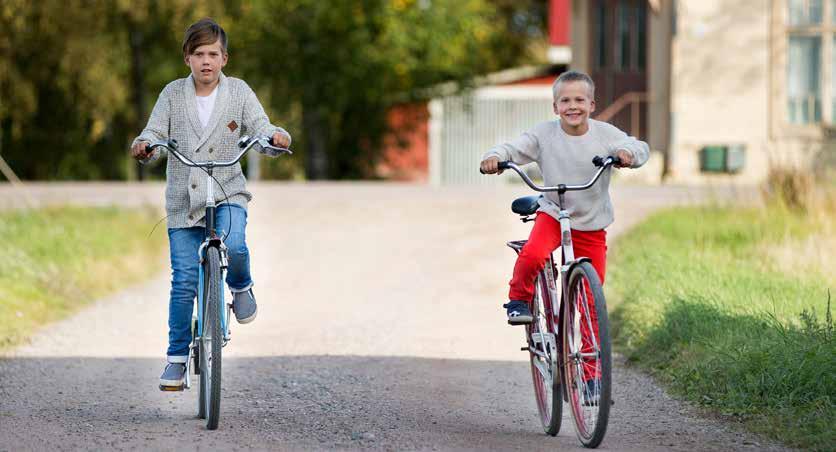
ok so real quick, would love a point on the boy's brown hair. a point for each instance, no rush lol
(203, 32)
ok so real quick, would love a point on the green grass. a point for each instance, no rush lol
(730, 308)
(58, 259)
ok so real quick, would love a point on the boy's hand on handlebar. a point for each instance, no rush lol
(625, 157)
(280, 140)
(490, 166)
(139, 150)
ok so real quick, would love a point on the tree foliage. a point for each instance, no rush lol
(77, 79)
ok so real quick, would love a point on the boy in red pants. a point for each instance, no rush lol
(563, 149)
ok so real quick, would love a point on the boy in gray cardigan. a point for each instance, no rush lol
(206, 113)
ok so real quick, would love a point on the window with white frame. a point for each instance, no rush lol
(811, 61)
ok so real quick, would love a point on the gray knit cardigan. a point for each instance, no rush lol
(237, 112)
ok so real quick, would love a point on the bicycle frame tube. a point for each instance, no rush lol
(565, 232)
(548, 272)
(210, 206)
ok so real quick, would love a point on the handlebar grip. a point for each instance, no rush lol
(599, 161)
(500, 165)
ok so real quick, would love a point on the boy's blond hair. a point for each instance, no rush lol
(203, 32)
(574, 76)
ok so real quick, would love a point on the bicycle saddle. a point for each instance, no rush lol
(526, 205)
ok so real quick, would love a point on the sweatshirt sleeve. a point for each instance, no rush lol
(523, 149)
(256, 121)
(616, 140)
(158, 124)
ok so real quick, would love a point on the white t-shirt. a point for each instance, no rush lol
(205, 105)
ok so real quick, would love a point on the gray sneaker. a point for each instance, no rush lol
(173, 377)
(244, 307)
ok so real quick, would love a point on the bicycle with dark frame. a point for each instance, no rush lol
(210, 324)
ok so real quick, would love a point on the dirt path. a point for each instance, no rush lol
(379, 328)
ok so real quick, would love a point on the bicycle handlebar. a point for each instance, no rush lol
(245, 143)
(599, 161)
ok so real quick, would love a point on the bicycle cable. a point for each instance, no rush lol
(225, 203)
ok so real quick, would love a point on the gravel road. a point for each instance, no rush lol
(379, 328)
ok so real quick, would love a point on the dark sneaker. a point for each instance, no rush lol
(518, 313)
(244, 307)
(173, 377)
(592, 392)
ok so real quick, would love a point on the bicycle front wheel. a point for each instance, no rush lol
(211, 342)
(587, 354)
(542, 347)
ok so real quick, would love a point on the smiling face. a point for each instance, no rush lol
(206, 62)
(573, 102)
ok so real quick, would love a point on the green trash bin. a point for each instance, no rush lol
(722, 159)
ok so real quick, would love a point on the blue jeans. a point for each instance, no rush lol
(184, 244)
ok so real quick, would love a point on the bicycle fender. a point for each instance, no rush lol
(572, 264)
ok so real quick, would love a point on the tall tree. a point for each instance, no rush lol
(344, 63)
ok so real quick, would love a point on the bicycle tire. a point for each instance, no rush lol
(197, 363)
(211, 358)
(546, 393)
(589, 413)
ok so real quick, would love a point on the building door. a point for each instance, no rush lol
(618, 56)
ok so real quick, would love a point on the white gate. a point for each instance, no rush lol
(462, 128)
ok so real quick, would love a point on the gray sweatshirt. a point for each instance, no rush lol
(237, 112)
(567, 159)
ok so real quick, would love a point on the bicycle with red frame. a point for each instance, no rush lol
(568, 339)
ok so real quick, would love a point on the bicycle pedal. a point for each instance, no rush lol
(172, 388)
(525, 349)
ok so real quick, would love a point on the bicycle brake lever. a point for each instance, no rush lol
(274, 151)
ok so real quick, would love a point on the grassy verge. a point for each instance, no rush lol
(56, 260)
(730, 307)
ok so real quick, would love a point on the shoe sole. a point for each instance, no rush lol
(171, 388)
(521, 320)
(248, 319)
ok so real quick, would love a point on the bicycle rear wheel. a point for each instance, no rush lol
(211, 342)
(542, 347)
(587, 354)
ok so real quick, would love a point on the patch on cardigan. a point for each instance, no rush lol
(232, 125)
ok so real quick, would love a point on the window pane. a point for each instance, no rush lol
(642, 31)
(624, 19)
(803, 84)
(833, 11)
(805, 12)
(601, 35)
(816, 11)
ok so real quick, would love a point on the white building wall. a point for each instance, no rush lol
(720, 85)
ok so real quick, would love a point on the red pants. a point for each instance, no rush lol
(545, 238)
